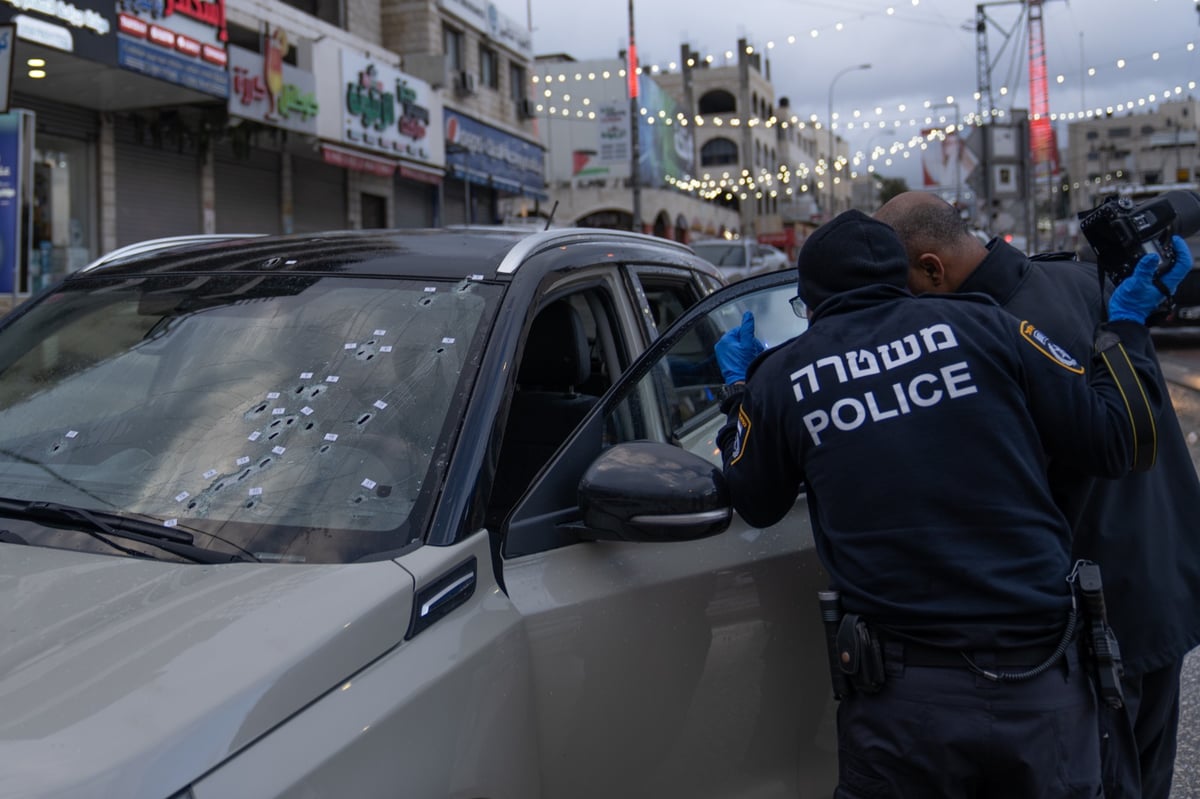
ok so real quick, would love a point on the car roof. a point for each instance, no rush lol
(156, 245)
(447, 253)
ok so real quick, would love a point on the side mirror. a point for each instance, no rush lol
(757, 260)
(649, 491)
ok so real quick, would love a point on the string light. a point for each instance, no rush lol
(711, 187)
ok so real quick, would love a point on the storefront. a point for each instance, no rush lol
(58, 44)
(388, 130)
(160, 151)
(485, 164)
(278, 104)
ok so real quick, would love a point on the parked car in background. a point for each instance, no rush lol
(741, 258)
(436, 513)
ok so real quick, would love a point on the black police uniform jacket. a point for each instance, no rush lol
(919, 427)
(1142, 528)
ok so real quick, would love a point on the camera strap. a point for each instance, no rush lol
(1137, 404)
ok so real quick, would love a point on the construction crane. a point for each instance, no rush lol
(1043, 145)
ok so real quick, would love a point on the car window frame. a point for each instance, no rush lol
(542, 518)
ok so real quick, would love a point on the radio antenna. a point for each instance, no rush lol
(550, 218)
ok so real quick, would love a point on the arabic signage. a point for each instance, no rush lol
(83, 27)
(483, 16)
(179, 41)
(386, 110)
(264, 88)
(485, 155)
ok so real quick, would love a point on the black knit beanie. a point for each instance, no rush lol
(850, 251)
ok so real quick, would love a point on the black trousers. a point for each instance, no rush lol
(945, 733)
(1138, 743)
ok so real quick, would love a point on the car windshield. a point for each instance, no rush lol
(301, 418)
(721, 253)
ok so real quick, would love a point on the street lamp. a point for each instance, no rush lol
(829, 170)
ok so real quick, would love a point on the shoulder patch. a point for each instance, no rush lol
(1042, 343)
(739, 441)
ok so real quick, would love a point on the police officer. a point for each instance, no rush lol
(920, 428)
(1141, 529)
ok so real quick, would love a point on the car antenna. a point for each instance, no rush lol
(550, 218)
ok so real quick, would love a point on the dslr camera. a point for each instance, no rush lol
(1121, 232)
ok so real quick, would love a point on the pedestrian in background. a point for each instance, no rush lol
(1140, 528)
(919, 428)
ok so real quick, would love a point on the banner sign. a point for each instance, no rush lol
(265, 89)
(483, 16)
(15, 174)
(488, 156)
(179, 41)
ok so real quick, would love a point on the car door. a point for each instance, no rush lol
(693, 668)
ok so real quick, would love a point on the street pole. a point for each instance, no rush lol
(832, 157)
(636, 156)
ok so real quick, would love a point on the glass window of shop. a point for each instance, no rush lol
(64, 214)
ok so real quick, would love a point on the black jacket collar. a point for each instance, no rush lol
(1000, 273)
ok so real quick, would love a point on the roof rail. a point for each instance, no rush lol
(557, 237)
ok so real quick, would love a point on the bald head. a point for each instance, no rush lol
(942, 252)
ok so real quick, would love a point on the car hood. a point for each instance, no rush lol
(131, 678)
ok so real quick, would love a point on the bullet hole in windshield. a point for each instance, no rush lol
(308, 426)
(55, 448)
(426, 301)
(291, 420)
(264, 463)
(358, 499)
(218, 486)
(273, 436)
(300, 389)
(191, 505)
(250, 503)
(366, 417)
(383, 491)
(250, 414)
(243, 475)
(440, 350)
(324, 449)
(276, 423)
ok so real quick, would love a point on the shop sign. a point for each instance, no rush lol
(179, 41)
(359, 162)
(483, 16)
(16, 181)
(264, 88)
(82, 27)
(385, 110)
(486, 155)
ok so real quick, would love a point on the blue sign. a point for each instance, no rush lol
(10, 199)
(157, 62)
(490, 157)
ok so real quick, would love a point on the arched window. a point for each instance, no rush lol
(717, 101)
(718, 152)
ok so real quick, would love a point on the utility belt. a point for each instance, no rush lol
(858, 653)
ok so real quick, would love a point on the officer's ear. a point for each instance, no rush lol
(928, 274)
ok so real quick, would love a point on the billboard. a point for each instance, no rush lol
(664, 150)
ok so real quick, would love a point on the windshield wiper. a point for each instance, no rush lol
(105, 525)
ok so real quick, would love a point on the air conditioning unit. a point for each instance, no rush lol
(465, 82)
(526, 108)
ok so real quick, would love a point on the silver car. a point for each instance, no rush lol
(396, 513)
(741, 258)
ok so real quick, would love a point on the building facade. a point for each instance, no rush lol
(135, 119)
(1135, 154)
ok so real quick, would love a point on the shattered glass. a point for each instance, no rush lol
(302, 418)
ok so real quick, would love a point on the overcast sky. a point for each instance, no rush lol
(922, 50)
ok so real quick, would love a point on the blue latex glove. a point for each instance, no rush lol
(737, 348)
(1137, 296)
